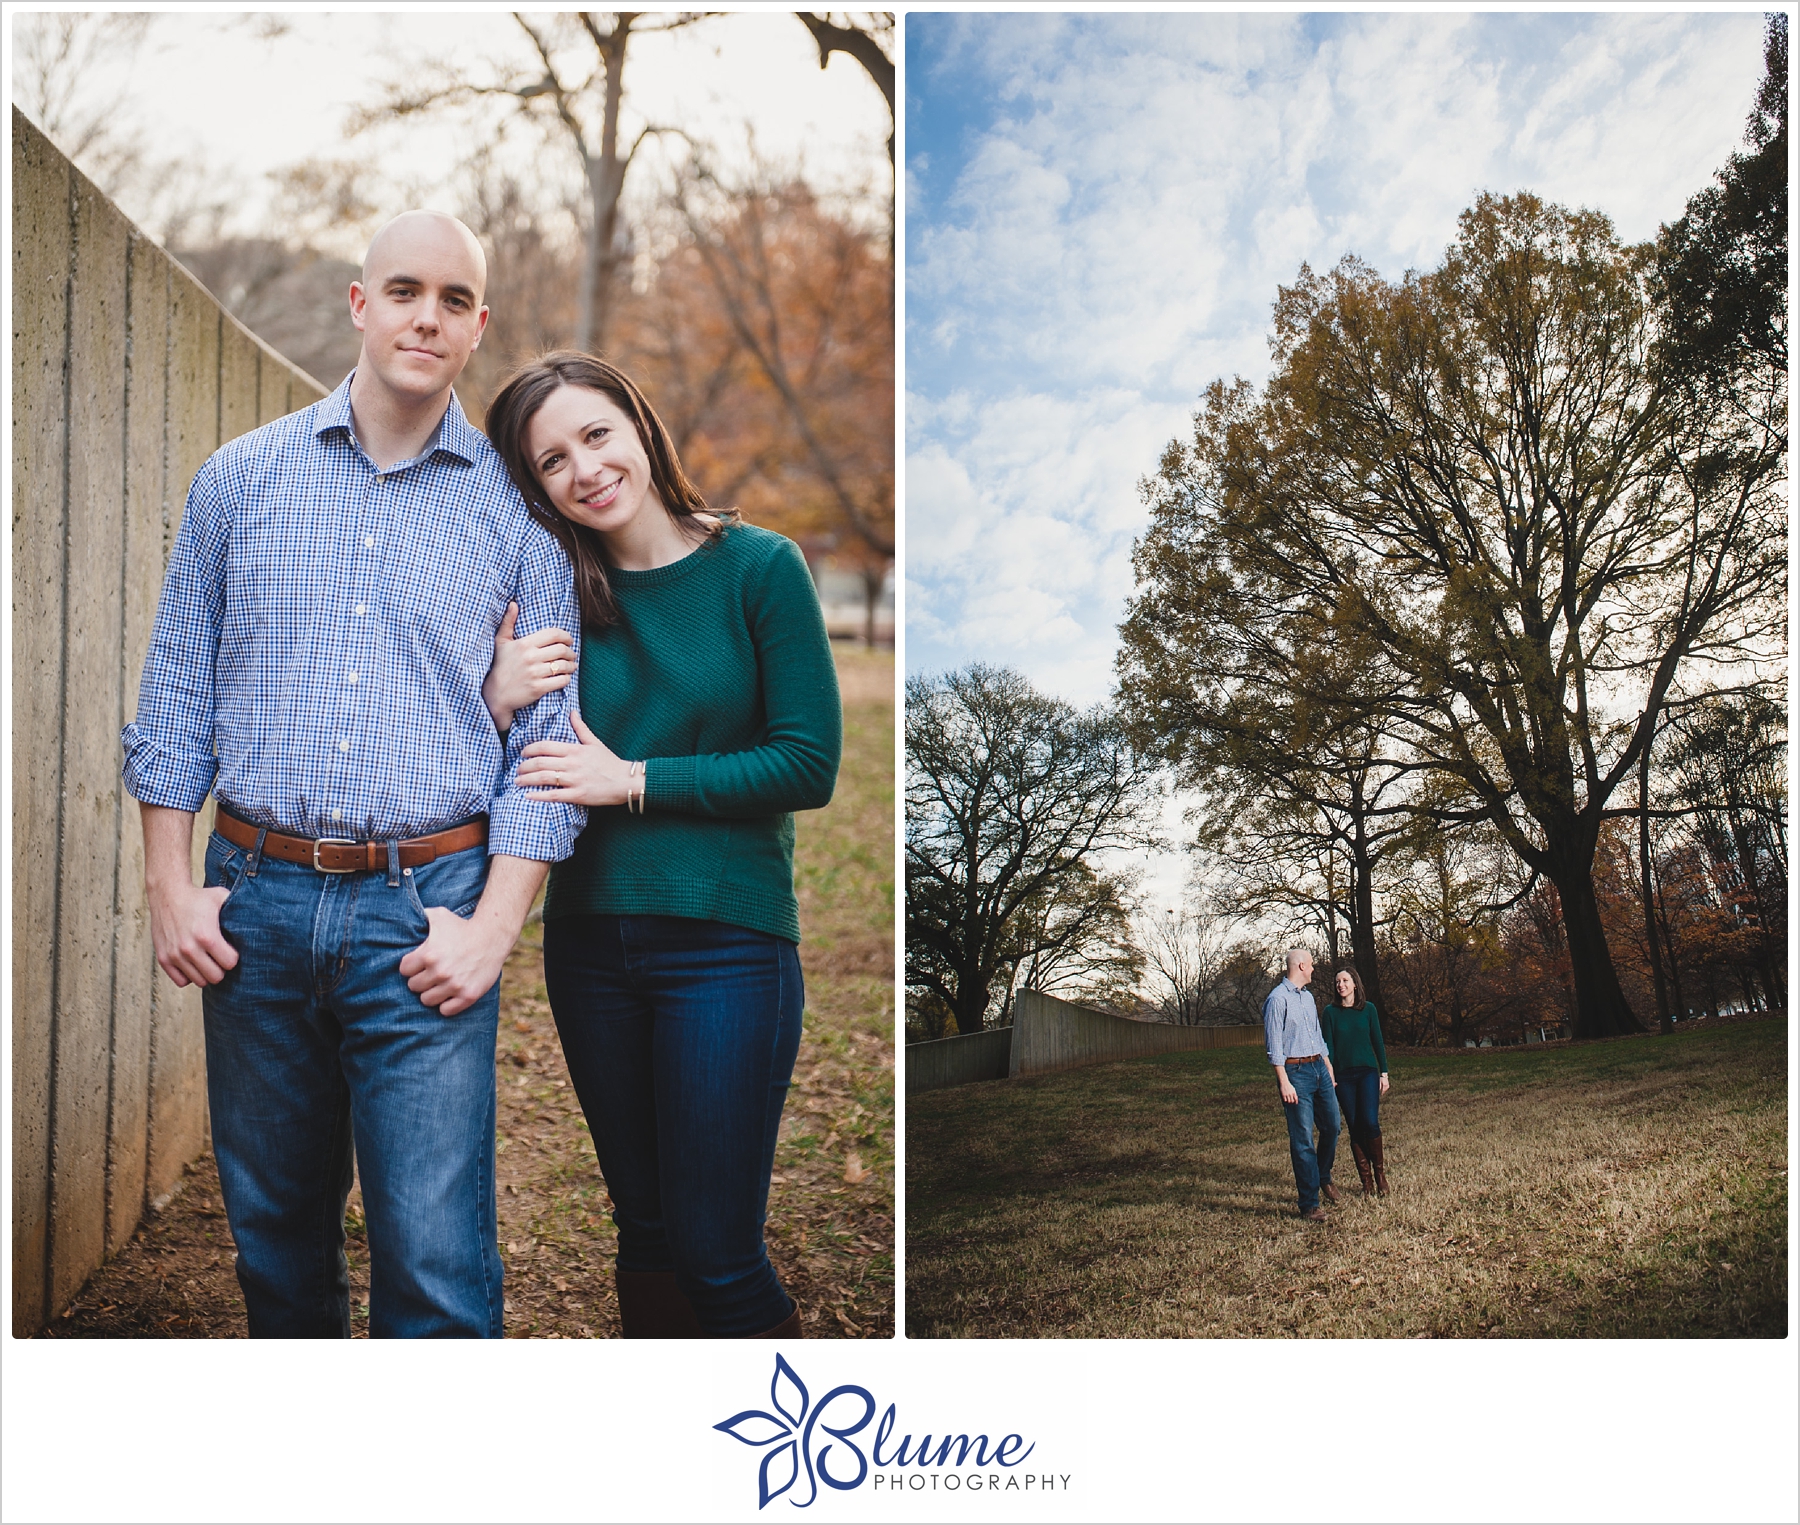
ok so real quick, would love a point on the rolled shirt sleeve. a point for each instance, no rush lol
(1275, 1024)
(170, 756)
(519, 825)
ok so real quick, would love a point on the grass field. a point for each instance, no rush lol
(1633, 1188)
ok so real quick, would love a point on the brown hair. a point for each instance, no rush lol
(509, 416)
(1355, 984)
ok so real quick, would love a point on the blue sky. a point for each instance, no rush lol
(1099, 210)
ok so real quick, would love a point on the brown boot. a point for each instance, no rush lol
(1374, 1148)
(652, 1307)
(1362, 1168)
(1331, 1193)
(787, 1329)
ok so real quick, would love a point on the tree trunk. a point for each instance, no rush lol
(1664, 1017)
(1601, 1010)
(1362, 921)
(606, 183)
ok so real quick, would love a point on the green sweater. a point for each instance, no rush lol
(719, 676)
(1353, 1037)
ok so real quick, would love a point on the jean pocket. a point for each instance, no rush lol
(225, 865)
(453, 884)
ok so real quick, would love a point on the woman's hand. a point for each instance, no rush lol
(588, 774)
(526, 669)
(1384, 1085)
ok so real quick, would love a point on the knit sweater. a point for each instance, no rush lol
(1353, 1037)
(719, 676)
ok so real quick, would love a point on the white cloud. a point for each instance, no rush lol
(1115, 237)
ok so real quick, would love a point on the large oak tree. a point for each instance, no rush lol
(1490, 474)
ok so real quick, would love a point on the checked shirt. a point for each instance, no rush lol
(324, 631)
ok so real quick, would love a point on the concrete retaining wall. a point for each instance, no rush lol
(126, 376)
(1049, 1034)
(958, 1061)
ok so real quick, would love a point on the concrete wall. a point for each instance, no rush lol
(126, 376)
(1049, 1034)
(958, 1061)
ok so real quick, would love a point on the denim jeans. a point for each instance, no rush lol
(314, 1039)
(1359, 1098)
(1316, 1104)
(680, 1036)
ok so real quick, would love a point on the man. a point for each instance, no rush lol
(1308, 1088)
(325, 626)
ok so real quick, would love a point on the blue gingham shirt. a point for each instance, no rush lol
(324, 631)
(1291, 1023)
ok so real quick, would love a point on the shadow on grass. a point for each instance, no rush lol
(1630, 1188)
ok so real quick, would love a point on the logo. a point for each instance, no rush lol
(806, 1445)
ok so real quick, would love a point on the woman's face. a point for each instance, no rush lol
(587, 455)
(1346, 988)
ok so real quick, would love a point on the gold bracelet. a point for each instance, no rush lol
(635, 770)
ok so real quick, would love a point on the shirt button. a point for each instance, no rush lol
(352, 678)
(369, 540)
(362, 608)
(337, 815)
(343, 746)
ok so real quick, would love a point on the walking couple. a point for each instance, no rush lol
(362, 650)
(1329, 1066)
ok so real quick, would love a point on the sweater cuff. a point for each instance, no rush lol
(669, 784)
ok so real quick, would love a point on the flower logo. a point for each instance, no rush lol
(787, 1433)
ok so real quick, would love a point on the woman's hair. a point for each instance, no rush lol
(1355, 983)
(509, 418)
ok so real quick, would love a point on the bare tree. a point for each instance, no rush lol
(866, 36)
(574, 88)
(55, 58)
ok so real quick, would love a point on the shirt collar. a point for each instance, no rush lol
(454, 435)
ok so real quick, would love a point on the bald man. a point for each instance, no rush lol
(327, 620)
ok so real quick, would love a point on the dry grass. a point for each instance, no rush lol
(1630, 1188)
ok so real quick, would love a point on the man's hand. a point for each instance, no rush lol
(184, 926)
(459, 960)
(184, 918)
(1289, 1096)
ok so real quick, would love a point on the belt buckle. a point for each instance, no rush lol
(331, 842)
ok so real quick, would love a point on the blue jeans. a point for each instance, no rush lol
(314, 1039)
(1316, 1104)
(1359, 1098)
(680, 1037)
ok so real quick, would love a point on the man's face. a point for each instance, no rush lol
(419, 307)
(1301, 972)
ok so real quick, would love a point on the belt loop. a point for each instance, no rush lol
(257, 851)
(393, 848)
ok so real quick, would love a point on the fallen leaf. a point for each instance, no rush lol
(854, 1172)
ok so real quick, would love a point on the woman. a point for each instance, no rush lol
(708, 713)
(1358, 1058)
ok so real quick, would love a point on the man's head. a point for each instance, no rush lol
(1299, 967)
(419, 304)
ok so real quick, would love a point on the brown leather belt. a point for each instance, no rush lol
(1302, 1059)
(331, 855)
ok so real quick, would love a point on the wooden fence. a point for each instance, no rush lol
(958, 1061)
(126, 376)
(1049, 1034)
